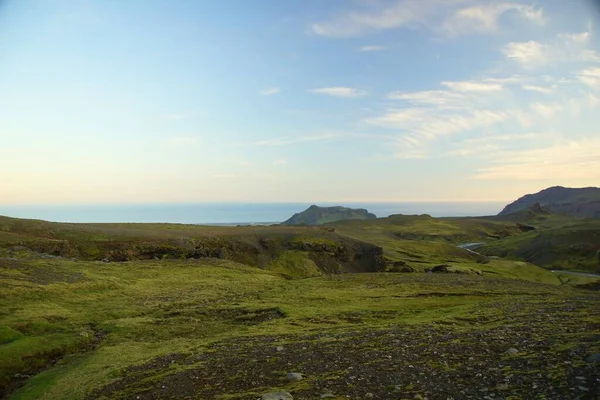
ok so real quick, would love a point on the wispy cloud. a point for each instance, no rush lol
(424, 125)
(281, 161)
(441, 98)
(485, 18)
(581, 37)
(471, 86)
(356, 23)
(528, 54)
(590, 77)
(564, 48)
(340, 91)
(371, 48)
(270, 91)
(287, 140)
(570, 160)
(448, 17)
(484, 146)
(484, 105)
(535, 88)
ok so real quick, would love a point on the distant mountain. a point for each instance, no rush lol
(315, 215)
(579, 203)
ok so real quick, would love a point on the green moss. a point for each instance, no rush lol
(295, 264)
(7, 334)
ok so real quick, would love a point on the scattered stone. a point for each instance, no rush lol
(327, 395)
(512, 351)
(279, 348)
(277, 396)
(369, 396)
(294, 376)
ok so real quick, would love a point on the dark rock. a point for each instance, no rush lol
(526, 228)
(449, 269)
(442, 268)
(398, 266)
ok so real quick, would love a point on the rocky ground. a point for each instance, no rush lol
(532, 350)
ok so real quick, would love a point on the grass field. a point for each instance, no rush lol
(210, 327)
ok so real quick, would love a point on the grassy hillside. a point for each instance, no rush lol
(84, 324)
(547, 240)
(150, 311)
(557, 243)
(423, 241)
(312, 249)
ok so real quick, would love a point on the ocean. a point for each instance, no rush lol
(232, 213)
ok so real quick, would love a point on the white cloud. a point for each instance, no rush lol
(581, 37)
(471, 86)
(574, 160)
(286, 140)
(483, 146)
(485, 18)
(535, 88)
(440, 98)
(425, 125)
(340, 91)
(270, 91)
(395, 15)
(565, 48)
(281, 161)
(528, 54)
(441, 16)
(590, 77)
(371, 48)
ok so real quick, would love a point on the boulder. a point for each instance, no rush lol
(294, 376)
(398, 266)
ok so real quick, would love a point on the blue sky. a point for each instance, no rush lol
(314, 100)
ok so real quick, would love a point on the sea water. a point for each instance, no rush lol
(232, 213)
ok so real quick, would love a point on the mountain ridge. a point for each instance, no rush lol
(574, 202)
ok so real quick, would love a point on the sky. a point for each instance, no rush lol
(181, 101)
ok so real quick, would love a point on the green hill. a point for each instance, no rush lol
(315, 215)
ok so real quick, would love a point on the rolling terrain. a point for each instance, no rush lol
(158, 311)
